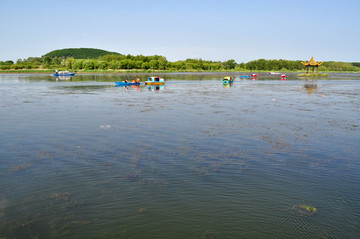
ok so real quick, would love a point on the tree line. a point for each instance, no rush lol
(157, 62)
(80, 53)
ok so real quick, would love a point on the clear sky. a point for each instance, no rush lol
(212, 30)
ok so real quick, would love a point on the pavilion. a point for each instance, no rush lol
(311, 64)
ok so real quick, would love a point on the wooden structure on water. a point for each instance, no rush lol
(312, 64)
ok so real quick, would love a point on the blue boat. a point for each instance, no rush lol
(123, 83)
(63, 73)
(245, 76)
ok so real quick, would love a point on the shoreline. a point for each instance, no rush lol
(45, 71)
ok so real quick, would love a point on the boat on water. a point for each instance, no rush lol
(123, 83)
(126, 82)
(254, 75)
(245, 76)
(274, 73)
(63, 73)
(155, 80)
(227, 80)
(283, 77)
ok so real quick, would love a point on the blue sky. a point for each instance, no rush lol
(211, 30)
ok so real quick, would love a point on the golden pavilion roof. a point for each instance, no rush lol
(312, 62)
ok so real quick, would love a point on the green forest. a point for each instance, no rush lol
(88, 59)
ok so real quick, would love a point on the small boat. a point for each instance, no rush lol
(274, 73)
(155, 80)
(254, 75)
(123, 83)
(63, 73)
(245, 76)
(283, 77)
(227, 80)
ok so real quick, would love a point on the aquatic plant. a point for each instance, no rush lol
(20, 167)
(308, 208)
(305, 210)
(61, 196)
(141, 210)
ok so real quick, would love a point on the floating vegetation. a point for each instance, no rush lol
(61, 196)
(355, 125)
(141, 210)
(71, 203)
(19, 167)
(306, 210)
(26, 222)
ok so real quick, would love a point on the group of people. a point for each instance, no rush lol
(133, 81)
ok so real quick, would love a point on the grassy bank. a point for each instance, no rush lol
(115, 71)
(27, 71)
(314, 75)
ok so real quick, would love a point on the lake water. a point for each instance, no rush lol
(194, 159)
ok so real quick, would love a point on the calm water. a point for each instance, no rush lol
(192, 159)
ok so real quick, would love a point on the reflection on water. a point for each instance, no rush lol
(63, 78)
(227, 85)
(155, 87)
(198, 160)
(129, 87)
(310, 88)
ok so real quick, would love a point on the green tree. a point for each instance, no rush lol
(69, 63)
(145, 65)
(47, 61)
(56, 61)
(89, 65)
(162, 63)
(77, 64)
(103, 65)
(230, 64)
(154, 64)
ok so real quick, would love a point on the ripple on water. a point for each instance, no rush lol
(192, 160)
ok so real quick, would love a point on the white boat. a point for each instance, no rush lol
(63, 73)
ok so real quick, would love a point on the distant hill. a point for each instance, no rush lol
(80, 53)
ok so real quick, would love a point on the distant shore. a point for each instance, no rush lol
(51, 71)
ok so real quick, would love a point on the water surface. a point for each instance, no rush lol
(82, 158)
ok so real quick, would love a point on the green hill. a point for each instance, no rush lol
(80, 53)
